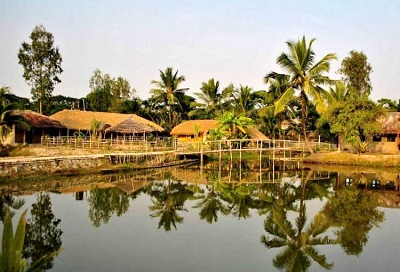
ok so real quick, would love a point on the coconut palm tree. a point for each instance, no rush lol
(167, 91)
(245, 100)
(306, 77)
(210, 100)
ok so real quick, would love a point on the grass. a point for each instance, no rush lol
(345, 158)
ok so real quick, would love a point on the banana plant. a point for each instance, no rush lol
(11, 259)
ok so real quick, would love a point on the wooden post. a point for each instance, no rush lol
(220, 151)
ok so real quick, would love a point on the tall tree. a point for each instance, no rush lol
(121, 92)
(167, 92)
(210, 97)
(42, 64)
(355, 71)
(99, 97)
(306, 77)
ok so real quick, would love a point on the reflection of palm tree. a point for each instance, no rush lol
(299, 242)
(212, 204)
(241, 199)
(9, 203)
(168, 198)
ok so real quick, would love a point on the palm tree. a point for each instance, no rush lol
(245, 100)
(306, 76)
(273, 123)
(210, 97)
(167, 91)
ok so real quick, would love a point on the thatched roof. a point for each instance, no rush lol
(188, 127)
(390, 123)
(255, 134)
(82, 120)
(38, 120)
(130, 126)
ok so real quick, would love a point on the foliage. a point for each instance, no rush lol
(59, 102)
(168, 94)
(42, 65)
(106, 202)
(11, 258)
(361, 146)
(355, 71)
(235, 124)
(390, 105)
(211, 99)
(355, 119)
(43, 235)
(354, 213)
(7, 118)
(298, 241)
(8, 203)
(305, 76)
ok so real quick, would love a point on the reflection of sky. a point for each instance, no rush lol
(132, 242)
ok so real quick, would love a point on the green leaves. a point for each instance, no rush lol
(12, 246)
(42, 64)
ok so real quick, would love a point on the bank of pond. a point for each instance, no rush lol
(220, 216)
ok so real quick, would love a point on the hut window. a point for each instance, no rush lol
(377, 138)
(391, 137)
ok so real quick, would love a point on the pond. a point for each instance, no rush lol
(219, 217)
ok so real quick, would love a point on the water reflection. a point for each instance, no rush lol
(103, 203)
(280, 199)
(43, 234)
(168, 198)
(8, 202)
(354, 213)
(298, 241)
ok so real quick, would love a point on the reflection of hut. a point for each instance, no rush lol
(389, 139)
(41, 125)
(81, 121)
(130, 127)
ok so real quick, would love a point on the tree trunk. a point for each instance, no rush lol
(303, 121)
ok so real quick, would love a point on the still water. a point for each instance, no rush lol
(223, 217)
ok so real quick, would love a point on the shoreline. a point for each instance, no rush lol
(349, 159)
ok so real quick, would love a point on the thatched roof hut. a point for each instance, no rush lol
(82, 120)
(130, 126)
(188, 128)
(41, 125)
(390, 123)
(38, 120)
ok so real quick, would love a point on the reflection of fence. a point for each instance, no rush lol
(118, 143)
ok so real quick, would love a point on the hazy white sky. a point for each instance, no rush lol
(232, 41)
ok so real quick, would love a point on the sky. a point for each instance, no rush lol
(229, 40)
